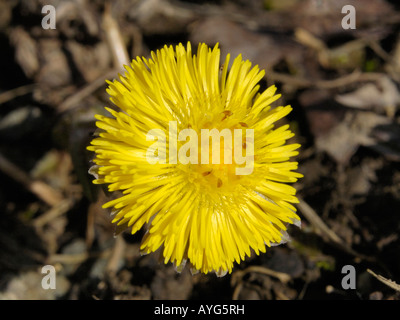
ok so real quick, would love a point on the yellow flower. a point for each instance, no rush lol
(202, 212)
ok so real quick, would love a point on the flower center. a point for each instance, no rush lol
(225, 155)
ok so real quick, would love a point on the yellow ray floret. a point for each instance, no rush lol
(202, 212)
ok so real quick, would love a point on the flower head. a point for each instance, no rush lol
(197, 209)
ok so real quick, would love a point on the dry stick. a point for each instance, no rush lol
(42, 190)
(76, 258)
(309, 40)
(325, 84)
(56, 211)
(94, 208)
(114, 38)
(72, 100)
(16, 92)
(137, 36)
(283, 277)
(324, 231)
(376, 47)
(116, 255)
(347, 79)
(90, 232)
(236, 292)
(392, 61)
(317, 222)
(388, 282)
(120, 58)
(237, 277)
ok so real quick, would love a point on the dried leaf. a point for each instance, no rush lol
(262, 49)
(161, 17)
(26, 53)
(381, 96)
(355, 130)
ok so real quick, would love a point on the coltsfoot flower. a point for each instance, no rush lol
(202, 212)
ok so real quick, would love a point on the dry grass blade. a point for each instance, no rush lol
(317, 222)
(120, 58)
(388, 282)
(116, 255)
(77, 257)
(42, 190)
(53, 213)
(114, 38)
(237, 277)
(345, 80)
(324, 231)
(73, 100)
(14, 93)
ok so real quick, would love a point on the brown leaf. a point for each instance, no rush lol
(355, 130)
(161, 17)
(381, 96)
(323, 18)
(26, 54)
(261, 49)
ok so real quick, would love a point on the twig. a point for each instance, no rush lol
(237, 277)
(137, 36)
(376, 47)
(94, 208)
(120, 58)
(68, 258)
(308, 39)
(57, 210)
(117, 253)
(90, 225)
(114, 38)
(347, 79)
(324, 84)
(236, 292)
(42, 190)
(77, 257)
(324, 231)
(73, 100)
(388, 282)
(16, 92)
(282, 277)
(317, 222)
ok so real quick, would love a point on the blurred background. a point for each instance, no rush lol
(343, 85)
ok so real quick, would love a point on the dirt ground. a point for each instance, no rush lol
(343, 84)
